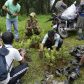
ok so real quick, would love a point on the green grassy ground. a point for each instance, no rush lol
(36, 66)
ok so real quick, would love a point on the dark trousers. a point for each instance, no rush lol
(17, 73)
(49, 44)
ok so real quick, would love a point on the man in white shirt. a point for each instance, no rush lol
(16, 73)
(52, 40)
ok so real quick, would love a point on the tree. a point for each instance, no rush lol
(39, 6)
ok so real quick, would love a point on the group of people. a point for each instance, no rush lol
(14, 74)
(51, 40)
(8, 73)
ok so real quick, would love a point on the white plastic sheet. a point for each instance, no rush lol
(70, 12)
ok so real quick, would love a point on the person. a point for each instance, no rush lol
(15, 73)
(51, 40)
(32, 25)
(60, 6)
(0, 9)
(1, 42)
(80, 22)
(12, 8)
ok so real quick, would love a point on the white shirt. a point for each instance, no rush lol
(13, 55)
(56, 38)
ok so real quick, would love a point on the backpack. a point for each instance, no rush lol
(3, 65)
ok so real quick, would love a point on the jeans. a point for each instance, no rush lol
(81, 34)
(9, 23)
(17, 73)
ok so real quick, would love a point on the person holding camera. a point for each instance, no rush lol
(12, 8)
(14, 74)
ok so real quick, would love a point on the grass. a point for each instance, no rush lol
(36, 66)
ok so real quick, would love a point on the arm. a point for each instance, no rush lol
(5, 7)
(37, 24)
(57, 38)
(19, 55)
(43, 42)
(6, 10)
(22, 53)
(27, 25)
(81, 60)
(41, 47)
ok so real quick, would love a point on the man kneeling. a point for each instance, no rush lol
(52, 40)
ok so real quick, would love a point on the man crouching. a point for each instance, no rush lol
(32, 25)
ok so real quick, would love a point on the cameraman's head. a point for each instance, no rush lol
(7, 37)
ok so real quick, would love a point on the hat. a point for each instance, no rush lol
(33, 14)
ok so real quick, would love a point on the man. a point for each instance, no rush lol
(51, 40)
(32, 25)
(80, 22)
(14, 74)
(12, 8)
(60, 6)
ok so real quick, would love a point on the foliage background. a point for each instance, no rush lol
(39, 6)
(37, 66)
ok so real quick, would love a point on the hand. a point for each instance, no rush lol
(1, 43)
(22, 52)
(15, 14)
(41, 47)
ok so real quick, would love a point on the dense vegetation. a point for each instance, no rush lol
(50, 60)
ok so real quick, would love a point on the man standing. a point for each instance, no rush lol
(12, 8)
(60, 6)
